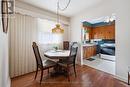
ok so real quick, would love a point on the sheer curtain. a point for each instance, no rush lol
(46, 38)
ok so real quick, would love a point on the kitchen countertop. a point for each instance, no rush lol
(89, 44)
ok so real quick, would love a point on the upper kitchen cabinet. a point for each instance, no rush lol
(101, 31)
(88, 32)
(104, 32)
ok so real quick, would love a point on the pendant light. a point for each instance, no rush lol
(58, 28)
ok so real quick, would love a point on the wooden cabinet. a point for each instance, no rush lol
(101, 32)
(89, 51)
(104, 32)
(89, 29)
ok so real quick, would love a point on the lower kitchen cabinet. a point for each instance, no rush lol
(89, 51)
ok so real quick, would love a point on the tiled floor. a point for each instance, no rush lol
(101, 64)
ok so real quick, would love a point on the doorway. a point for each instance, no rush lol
(98, 43)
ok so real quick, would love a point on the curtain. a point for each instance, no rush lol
(45, 34)
(23, 30)
(47, 40)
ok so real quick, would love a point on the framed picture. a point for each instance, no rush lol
(4, 9)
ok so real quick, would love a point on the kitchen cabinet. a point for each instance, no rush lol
(101, 32)
(89, 51)
(104, 32)
(89, 35)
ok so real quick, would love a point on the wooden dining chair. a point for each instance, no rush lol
(66, 45)
(70, 61)
(42, 65)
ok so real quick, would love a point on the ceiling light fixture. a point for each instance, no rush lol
(110, 18)
(58, 28)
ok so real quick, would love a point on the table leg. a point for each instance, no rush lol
(58, 70)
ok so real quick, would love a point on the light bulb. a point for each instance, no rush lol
(111, 19)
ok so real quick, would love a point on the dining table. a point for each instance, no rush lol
(57, 55)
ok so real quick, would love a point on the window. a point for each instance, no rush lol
(45, 36)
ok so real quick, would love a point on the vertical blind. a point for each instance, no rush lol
(22, 33)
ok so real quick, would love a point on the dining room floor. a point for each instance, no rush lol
(86, 77)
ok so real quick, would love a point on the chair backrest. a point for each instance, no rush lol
(73, 52)
(37, 55)
(66, 45)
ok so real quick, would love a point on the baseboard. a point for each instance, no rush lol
(78, 63)
(107, 57)
(8, 83)
(121, 78)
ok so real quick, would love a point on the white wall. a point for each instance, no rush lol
(4, 65)
(106, 8)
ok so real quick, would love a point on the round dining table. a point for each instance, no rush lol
(57, 54)
(60, 55)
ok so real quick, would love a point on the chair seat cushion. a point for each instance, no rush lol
(48, 63)
(65, 63)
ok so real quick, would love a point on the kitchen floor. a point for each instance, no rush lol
(101, 64)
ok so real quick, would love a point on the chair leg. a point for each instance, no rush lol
(41, 76)
(75, 70)
(68, 73)
(36, 73)
(48, 70)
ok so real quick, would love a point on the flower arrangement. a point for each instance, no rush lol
(55, 47)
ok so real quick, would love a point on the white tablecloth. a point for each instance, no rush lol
(58, 53)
